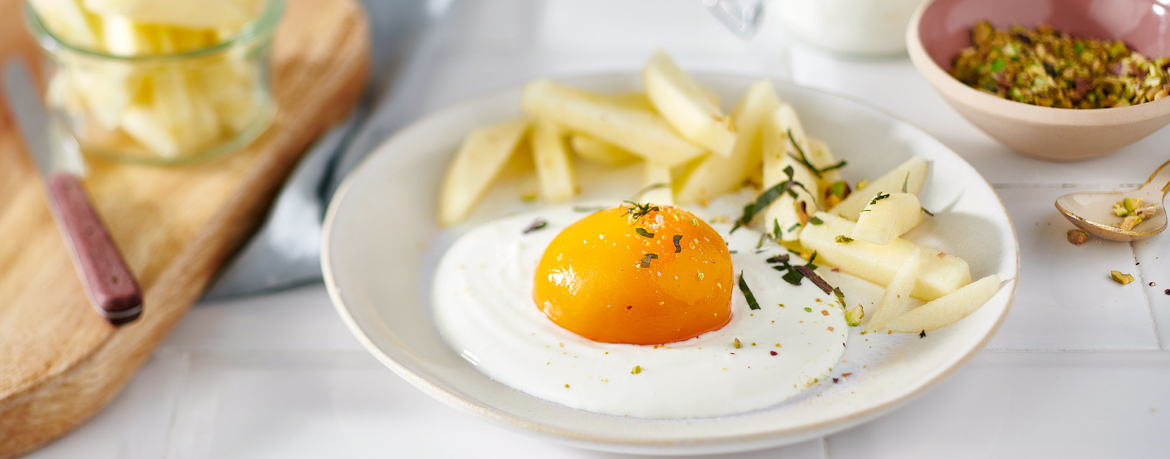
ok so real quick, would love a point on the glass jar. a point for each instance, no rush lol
(162, 107)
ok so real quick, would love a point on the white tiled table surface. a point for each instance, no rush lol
(1081, 367)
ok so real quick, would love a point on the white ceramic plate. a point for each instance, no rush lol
(381, 244)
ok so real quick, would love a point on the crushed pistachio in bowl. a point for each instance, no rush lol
(1049, 68)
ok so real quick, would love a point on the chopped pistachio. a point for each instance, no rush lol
(861, 184)
(1077, 237)
(853, 316)
(528, 197)
(1049, 68)
(1120, 277)
(1132, 204)
(1129, 222)
(831, 201)
(1119, 209)
(1132, 212)
(736, 343)
(839, 188)
(637, 369)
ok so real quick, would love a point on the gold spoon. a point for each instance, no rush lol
(1092, 211)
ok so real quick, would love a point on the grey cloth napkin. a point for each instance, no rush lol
(286, 250)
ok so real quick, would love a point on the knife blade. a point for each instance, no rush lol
(108, 281)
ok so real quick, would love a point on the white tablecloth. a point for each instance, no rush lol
(1079, 369)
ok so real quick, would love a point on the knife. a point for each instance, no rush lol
(108, 282)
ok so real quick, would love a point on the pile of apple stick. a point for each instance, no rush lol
(692, 151)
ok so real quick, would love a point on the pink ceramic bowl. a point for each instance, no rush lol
(940, 28)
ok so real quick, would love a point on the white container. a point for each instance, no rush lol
(853, 28)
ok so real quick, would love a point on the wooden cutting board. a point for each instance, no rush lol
(59, 361)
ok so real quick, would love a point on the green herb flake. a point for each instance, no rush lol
(792, 276)
(794, 227)
(880, 196)
(588, 208)
(677, 246)
(843, 239)
(809, 272)
(651, 187)
(642, 232)
(747, 293)
(816, 221)
(776, 229)
(906, 183)
(927, 211)
(782, 258)
(645, 263)
(540, 223)
(765, 199)
(807, 309)
(803, 159)
(637, 211)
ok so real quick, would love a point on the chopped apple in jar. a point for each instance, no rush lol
(166, 108)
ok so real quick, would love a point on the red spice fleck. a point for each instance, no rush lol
(1168, 291)
(772, 352)
(836, 270)
(629, 307)
(846, 375)
(942, 254)
(824, 312)
(834, 380)
(889, 332)
(830, 328)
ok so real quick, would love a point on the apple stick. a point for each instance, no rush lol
(886, 217)
(657, 187)
(948, 309)
(939, 273)
(598, 152)
(554, 168)
(896, 299)
(641, 132)
(715, 175)
(912, 173)
(686, 106)
(476, 165)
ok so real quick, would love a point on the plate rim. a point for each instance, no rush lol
(602, 441)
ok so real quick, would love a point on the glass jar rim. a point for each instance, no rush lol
(261, 27)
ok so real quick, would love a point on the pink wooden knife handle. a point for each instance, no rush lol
(107, 279)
